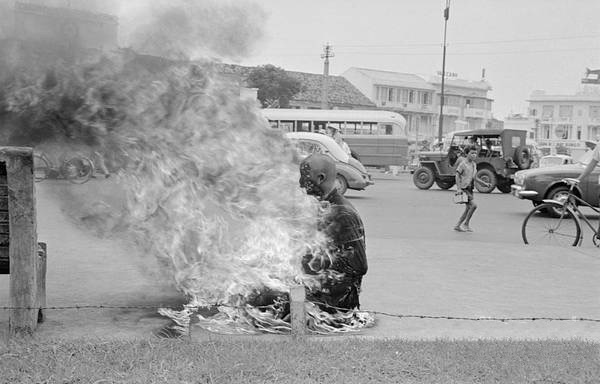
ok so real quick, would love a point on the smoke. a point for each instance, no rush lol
(190, 29)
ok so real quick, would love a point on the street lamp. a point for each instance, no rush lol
(441, 122)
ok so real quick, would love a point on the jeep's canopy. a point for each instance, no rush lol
(490, 132)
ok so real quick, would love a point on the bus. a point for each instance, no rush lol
(378, 137)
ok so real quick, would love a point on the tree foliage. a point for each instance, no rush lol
(275, 87)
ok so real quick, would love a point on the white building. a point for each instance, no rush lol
(567, 120)
(407, 94)
(466, 105)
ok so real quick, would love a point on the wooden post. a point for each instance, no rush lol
(298, 310)
(41, 280)
(23, 256)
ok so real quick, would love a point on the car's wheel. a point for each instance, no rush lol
(341, 184)
(522, 157)
(559, 194)
(485, 174)
(504, 187)
(444, 184)
(423, 178)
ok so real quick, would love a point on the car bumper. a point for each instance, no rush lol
(522, 193)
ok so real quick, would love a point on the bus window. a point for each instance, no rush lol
(303, 126)
(274, 124)
(389, 129)
(287, 126)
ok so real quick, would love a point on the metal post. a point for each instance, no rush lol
(441, 121)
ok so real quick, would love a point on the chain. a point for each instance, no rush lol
(407, 316)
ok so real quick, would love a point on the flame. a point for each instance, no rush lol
(210, 189)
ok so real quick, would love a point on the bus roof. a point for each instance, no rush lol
(330, 115)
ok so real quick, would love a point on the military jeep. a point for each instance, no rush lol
(500, 153)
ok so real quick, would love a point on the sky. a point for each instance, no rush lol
(523, 45)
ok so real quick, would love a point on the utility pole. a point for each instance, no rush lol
(441, 122)
(327, 53)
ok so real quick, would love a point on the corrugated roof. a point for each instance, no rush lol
(398, 79)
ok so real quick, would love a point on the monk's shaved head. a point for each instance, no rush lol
(317, 174)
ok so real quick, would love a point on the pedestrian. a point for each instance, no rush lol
(337, 136)
(466, 177)
(343, 270)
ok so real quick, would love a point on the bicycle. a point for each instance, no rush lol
(78, 169)
(564, 230)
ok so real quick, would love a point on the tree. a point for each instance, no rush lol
(275, 86)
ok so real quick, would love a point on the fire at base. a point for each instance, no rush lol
(211, 190)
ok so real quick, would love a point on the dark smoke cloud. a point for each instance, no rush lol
(186, 29)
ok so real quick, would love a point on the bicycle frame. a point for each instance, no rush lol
(573, 202)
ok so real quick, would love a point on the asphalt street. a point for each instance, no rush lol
(418, 268)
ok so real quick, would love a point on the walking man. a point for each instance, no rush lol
(465, 181)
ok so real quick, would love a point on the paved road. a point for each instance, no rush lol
(418, 266)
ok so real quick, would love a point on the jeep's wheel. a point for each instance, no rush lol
(444, 184)
(486, 175)
(504, 187)
(522, 157)
(423, 178)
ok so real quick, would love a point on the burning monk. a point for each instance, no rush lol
(341, 274)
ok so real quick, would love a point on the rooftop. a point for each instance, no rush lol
(394, 78)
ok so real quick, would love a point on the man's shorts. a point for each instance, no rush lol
(469, 193)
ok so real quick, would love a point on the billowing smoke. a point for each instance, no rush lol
(189, 29)
(207, 187)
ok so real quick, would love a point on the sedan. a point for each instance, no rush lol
(542, 183)
(351, 174)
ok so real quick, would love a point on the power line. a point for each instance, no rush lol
(437, 53)
(470, 42)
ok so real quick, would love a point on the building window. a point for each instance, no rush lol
(468, 103)
(411, 96)
(390, 94)
(579, 132)
(533, 112)
(547, 111)
(565, 112)
(595, 111)
(562, 131)
(425, 98)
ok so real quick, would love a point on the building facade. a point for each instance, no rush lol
(466, 103)
(407, 94)
(567, 120)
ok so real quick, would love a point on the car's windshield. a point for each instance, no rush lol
(550, 161)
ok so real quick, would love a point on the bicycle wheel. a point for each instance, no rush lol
(41, 168)
(78, 170)
(539, 228)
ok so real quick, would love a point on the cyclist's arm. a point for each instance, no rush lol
(588, 169)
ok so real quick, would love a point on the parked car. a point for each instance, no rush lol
(542, 183)
(351, 174)
(551, 160)
(500, 153)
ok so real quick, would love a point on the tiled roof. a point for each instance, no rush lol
(341, 91)
(395, 78)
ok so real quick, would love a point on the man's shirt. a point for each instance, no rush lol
(466, 173)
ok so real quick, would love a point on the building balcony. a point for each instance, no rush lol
(408, 107)
(451, 111)
(477, 113)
